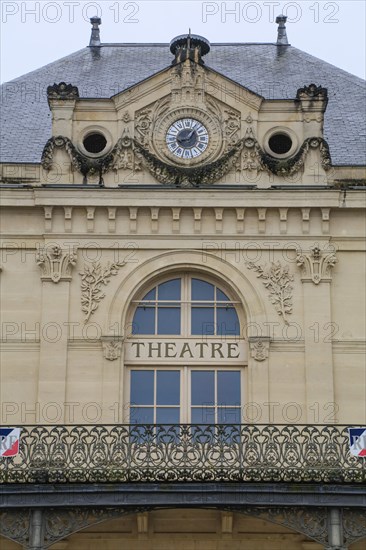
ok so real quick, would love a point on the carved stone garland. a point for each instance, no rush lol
(316, 264)
(56, 264)
(277, 280)
(93, 278)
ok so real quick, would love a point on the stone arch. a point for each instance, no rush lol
(192, 260)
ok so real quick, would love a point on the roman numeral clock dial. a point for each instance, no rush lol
(187, 138)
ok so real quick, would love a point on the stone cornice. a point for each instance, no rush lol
(270, 198)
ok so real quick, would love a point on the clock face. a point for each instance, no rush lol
(187, 138)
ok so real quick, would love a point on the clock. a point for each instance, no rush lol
(187, 138)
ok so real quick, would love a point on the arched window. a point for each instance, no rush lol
(186, 306)
(184, 357)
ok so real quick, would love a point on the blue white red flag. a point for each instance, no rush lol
(9, 441)
(357, 441)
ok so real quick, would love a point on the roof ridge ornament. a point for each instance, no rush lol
(95, 33)
(281, 32)
(189, 46)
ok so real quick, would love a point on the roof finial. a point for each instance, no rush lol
(95, 34)
(281, 33)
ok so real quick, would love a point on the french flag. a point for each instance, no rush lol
(9, 441)
(357, 440)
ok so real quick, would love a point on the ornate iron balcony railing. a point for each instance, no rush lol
(184, 452)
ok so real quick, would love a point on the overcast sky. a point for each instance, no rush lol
(39, 32)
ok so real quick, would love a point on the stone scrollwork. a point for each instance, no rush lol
(277, 280)
(311, 92)
(124, 155)
(93, 278)
(112, 347)
(62, 91)
(56, 264)
(232, 124)
(316, 264)
(259, 348)
(143, 122)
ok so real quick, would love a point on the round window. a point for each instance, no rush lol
(94, 143)
(280, 143)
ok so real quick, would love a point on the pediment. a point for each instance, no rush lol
(189, 125)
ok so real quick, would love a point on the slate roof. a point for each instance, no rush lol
(271, 71)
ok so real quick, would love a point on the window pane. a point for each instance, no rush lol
(142, 387)
(141, 415)
(228, 415)
(202, 387)
(203, 415)
(227, 321)
(202, 290)
(168, 387)
(169, 290)
(221, 297)
(150, 295)
(144, 321)
(167, 415)
(228, 388)
(202, 320)
(169, 320)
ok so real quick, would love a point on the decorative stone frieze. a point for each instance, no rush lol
(316, 264)
(93, 278)
(56, 264)
(259, 347)
(112, 347)
(277, 280)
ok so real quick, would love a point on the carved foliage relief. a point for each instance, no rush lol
(277, 280)
(93, 279)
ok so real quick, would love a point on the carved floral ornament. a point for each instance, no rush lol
(316, 264)
(277, 280)
(93, 278)
(56, 264)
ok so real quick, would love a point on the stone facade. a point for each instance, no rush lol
(282, 234)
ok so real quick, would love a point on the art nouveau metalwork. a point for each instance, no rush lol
(184, 452)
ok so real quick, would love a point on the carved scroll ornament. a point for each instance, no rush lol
(56, 264)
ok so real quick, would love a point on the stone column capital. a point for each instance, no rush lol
(316, 264)
(56, 263)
